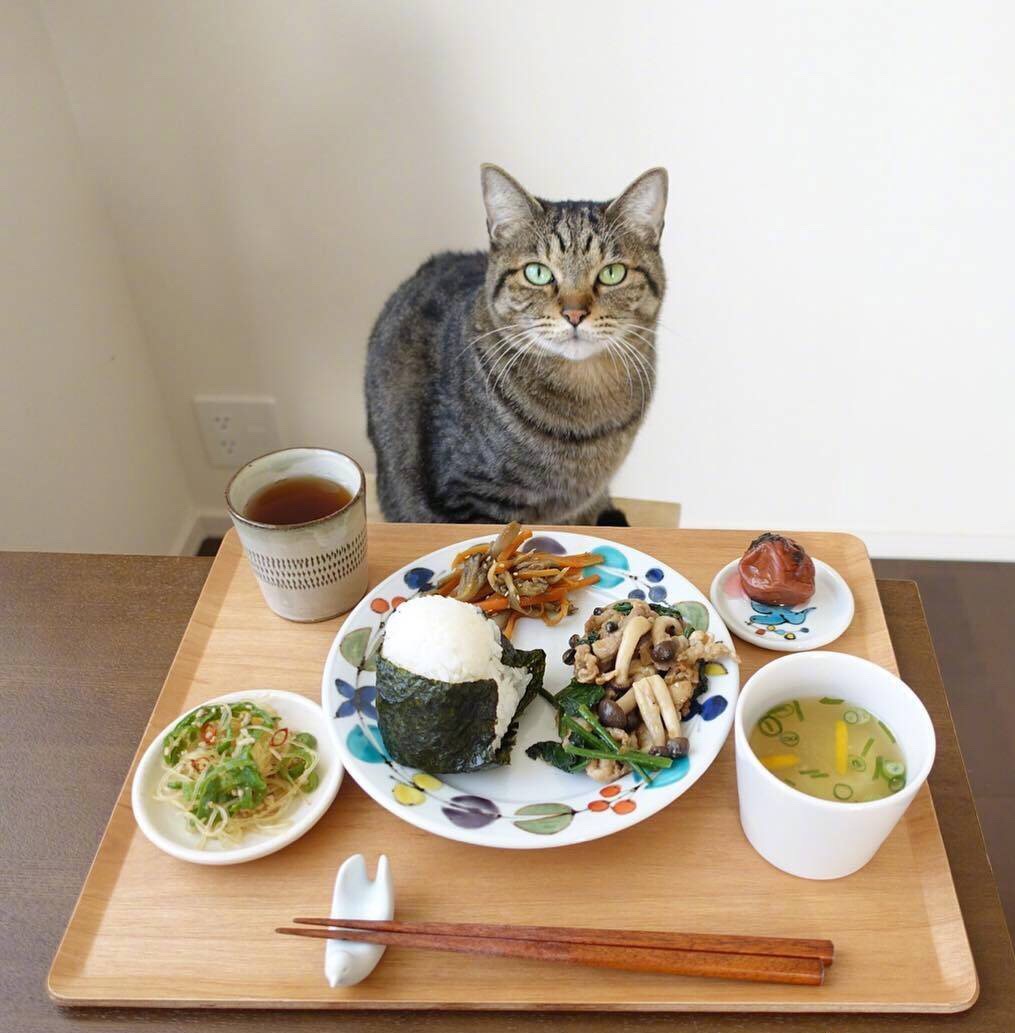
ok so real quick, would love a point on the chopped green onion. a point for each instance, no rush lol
(857, 763)
(886, 730)
(808, 771)
(841, 791)
(799, 711)
(893, 768)
(770, 726)
(829, 700)
(879, 768)
(789, 739)
(896, 783)
(783, 710)
(820, 774)
(869, 744)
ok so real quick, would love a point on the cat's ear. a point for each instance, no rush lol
(509, 206)
(641, 208)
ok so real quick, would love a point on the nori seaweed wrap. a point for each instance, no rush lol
(443, 727)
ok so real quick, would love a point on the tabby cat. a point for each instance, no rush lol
(510, 385)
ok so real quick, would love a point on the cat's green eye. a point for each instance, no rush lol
(538, 274)
(612, 274)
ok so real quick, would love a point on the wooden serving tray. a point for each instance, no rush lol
(150, 930)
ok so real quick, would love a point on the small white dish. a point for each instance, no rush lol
(358, 896)
(166, 827)
(787, 629)
(801, 834)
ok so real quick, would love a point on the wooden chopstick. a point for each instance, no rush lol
(776, 946)
(759, 968)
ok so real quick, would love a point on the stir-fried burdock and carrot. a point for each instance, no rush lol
(510, 584)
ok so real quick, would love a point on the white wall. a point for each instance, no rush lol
(87, 460)
(839, 341)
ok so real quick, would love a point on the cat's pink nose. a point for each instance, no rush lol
(575, 315)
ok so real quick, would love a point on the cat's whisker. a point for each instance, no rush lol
(629, 365)
(507, 354)
(613, 351)
(639, 336)
(496, 330)
(525, 348)
(641, 366)
(614, 345)
(504, 345)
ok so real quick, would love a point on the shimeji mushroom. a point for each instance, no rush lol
(632, 633)
(681, 691)
(649, 709)
(671, 718)
(664, 627)
(628, 701)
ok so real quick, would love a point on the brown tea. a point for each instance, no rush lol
(296, 500)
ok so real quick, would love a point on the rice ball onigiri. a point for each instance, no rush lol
(450, 641)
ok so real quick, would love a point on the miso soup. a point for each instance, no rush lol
(830, 748)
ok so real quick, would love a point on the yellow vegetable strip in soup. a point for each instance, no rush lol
(829, 748)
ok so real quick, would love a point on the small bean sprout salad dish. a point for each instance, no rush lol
(236, 778)
(235, 767)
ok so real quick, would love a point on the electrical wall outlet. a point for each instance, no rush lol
(236, 430)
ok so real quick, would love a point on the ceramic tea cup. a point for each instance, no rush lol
(801, 834)
(307, 571)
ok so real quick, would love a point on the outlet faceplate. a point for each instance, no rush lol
(236, 429)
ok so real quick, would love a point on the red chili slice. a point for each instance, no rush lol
(209, 733)
(276, 741)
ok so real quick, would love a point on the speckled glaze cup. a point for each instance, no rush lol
(312, 571)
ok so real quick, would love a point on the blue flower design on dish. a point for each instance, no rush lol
(654, 575)
(674, 773)
(657, 593)
(712, 707)
(612, 557)
(418, 579)
(636, 593)
(361, 746)
(359, 700)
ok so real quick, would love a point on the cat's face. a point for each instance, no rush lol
(575, 278)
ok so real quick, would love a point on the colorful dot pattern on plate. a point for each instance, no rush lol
(354, 695)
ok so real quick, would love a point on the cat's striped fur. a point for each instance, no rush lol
(485, 403)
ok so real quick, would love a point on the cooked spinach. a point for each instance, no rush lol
(574, 696)
(555, 754)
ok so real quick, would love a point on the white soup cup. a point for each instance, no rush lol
(802, 835)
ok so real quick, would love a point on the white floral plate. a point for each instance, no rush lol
(786, 629)
(527, 804)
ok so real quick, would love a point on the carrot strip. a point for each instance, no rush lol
(587, 559)
(561, 592)
(494, 603)
(448, 586)
(473, 550)
(510, 626)
(523, 536)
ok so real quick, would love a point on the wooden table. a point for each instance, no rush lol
(85, 642)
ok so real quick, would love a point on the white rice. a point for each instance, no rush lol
(452, 641)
